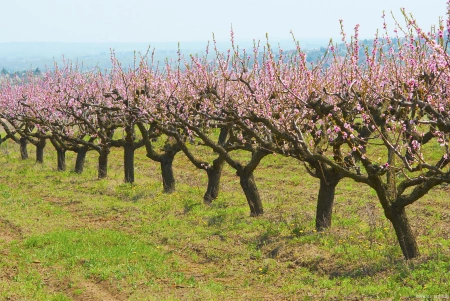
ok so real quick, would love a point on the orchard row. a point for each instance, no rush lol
(378, 114)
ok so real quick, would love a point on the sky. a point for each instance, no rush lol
(195, 20)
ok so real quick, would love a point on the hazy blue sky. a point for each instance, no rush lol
(187, 20)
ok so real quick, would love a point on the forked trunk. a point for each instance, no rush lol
(397, 216)
(404, 233)
(387, 195)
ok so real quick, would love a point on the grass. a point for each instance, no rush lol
(65, 236)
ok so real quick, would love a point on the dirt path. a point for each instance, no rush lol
(95, 292)
(9, 231)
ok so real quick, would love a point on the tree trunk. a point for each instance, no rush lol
(404, 233)
(167, 173)
(103, 164)
(40, 150)
(81, 158)
(397, 216)
(214, 173)
(61, 159)
(248, 184)
(325, 202)
(23, 148)
(129, 162)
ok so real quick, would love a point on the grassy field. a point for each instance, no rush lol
(65, 236)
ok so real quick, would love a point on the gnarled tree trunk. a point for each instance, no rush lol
(387, 195)
(248, 185)
(167, 173)
(329, 179)
(103, 163)
(214, 173)
(40, 150)
(61, 153)
(23, 148)
(405, 235)
(81, 158)
(128, 162)
(325, 202)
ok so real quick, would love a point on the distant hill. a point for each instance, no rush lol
(29, 56)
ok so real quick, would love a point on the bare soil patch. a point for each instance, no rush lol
(9, 231)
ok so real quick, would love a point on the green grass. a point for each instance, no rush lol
(65, 236)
